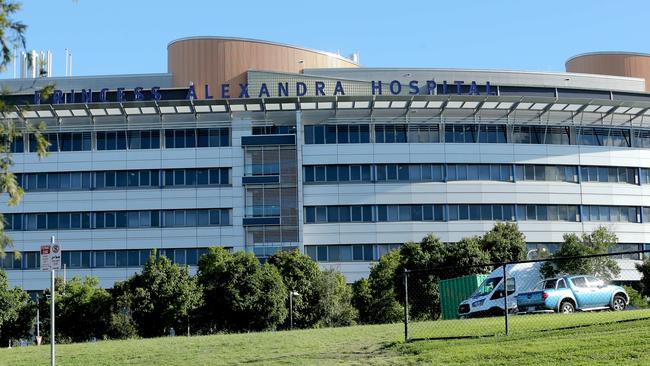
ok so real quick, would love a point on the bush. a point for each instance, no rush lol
(238, 293)
(377, 301)
(83, 310)
(644, 284)
(504, 243)
(122, 325)
(362, 300)
(301, 274)
(636, 299)
(335, 300)
(598, 242)
(17, 312)
(161, 297)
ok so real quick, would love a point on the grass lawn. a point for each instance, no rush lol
(608, 342)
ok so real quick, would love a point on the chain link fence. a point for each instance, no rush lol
(535, 295)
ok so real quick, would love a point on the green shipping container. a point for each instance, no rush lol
(453, 291)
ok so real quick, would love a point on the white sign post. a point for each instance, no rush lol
(51, 261)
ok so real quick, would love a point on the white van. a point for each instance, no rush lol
(488, 300)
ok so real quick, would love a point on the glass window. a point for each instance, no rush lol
(393, 213)
(579, 282)
(322, 253)
(453, 212)
(121, 258)
(224, 137)
(133, 258)
(332, 214)
(330, 136)
(367, 213)
(382, 213)
(344, 173)
(319, 134)
(404, 213)
(364, 133)
(309, 135)
(332, 173)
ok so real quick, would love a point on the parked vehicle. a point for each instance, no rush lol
(488, 300)
(571, 293)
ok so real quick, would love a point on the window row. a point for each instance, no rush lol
(337, 134)
(472, 172)
(127, 140)
(550, 248)
(117, 219)
(372, 252)
(274, 130)
(476, 133)
(569, 213)
(200, 137)
(473, 212)
(609, 174)
(104, 258)
(149, 178)
(349, 253)
(483, 212)
(611, 213)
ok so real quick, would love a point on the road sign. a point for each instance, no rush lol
(45, 258)
(50, 257)
(55, 256)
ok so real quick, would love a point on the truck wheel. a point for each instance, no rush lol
(566, 307)
(495, 312)
(618, 304)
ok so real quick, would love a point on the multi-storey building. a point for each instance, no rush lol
(257, 146)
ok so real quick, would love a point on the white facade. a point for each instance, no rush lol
(358, 242)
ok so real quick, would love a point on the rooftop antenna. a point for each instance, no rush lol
(23, 65)
(34, 66)
(66, 62)
(70, 64)
(49, 64)
(15, 60)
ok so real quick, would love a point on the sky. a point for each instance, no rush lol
(124, 37)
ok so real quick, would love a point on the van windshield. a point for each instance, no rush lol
(487, 286)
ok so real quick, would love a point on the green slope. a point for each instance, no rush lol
(617, 338)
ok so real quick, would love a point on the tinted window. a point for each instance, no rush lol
(550, 284)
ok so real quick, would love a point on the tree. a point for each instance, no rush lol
(362, 300)
(12, 34)
(504, 243)
(161, 297)
(422, 260)
(335, 300)
(238, 293)
(380, 304)
(301, 274)
(122, 325)
(17, 312)
(597, 242)
(644, 268)
(83, 310)
(463, 258)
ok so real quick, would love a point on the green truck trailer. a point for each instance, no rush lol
(454, 290)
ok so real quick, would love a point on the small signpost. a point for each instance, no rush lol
(50, 256)
(51, 261)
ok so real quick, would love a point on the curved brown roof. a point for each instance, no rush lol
(629, 64)
(225, 60)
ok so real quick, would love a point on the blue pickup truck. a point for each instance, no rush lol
(570, 293)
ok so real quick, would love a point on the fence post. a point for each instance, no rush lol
(505, 296)
(406, 306)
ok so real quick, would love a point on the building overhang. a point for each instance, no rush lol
(447, 107)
